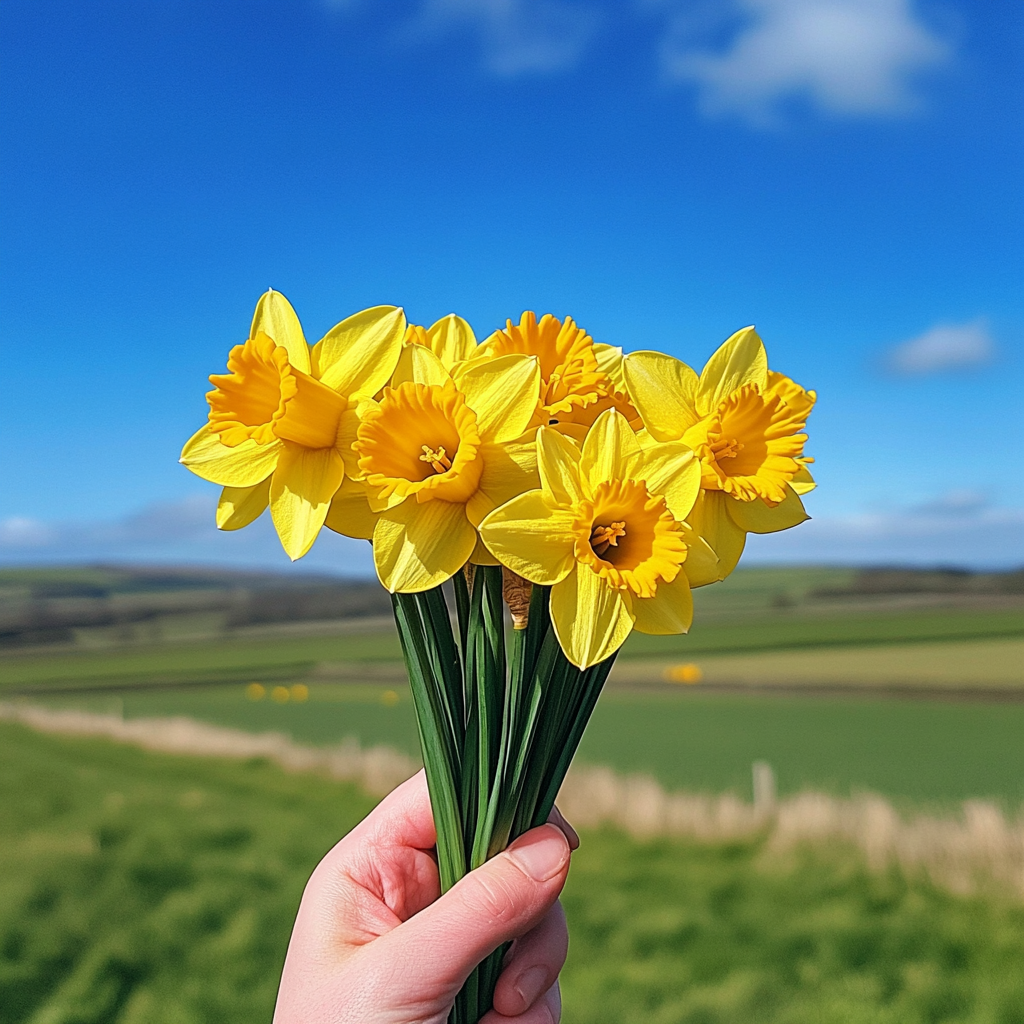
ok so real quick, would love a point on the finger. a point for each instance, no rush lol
(402, 818)
(547, 1010)
(532, 966)
(500, 900)
(557, 818)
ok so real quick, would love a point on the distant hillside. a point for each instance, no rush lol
(65, 605)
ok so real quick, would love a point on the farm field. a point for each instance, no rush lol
(137, 887)
(921, 751)
(993, 664)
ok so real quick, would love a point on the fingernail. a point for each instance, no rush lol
(531, 984)
(542, 853)
(570, 833)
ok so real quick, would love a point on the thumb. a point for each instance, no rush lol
(502, 899)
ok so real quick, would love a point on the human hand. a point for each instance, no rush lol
(374, 942)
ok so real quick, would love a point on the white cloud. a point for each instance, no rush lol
(517, 37)
(845, 57)
(172, 532)
(958, 528)
(943, 347)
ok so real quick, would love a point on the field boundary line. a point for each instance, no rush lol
(980, 846)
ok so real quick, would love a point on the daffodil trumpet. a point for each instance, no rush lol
(531, 500)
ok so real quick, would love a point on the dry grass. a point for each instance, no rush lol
(980, 846)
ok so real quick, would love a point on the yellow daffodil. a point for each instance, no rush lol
(282, 420)
(606, 531)
(451, 339)
(576, 386)
(436, 454)
(745, 423)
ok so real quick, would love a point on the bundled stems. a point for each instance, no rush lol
(497, 733)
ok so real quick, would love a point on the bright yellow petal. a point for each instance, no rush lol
(275, 317)
(701, 565)
(533, 537)
(481, 556)
(609, 362)
(740, 360)
(418, 546)
(300, 494)
(756, 517)
(673, 471)
(452, 340)
(350, 513)
(246, 464)
(711, 521)
(509, 469)
(504, 393)
(239, 506)
(664, 391)
(558, 461)
(360, 353)
(417, 363)
(803, 482)
(591, 619)
(611, 450)
(670, 611)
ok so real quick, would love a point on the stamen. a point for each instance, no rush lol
(603, 537)
(439, 461)
(726, 449)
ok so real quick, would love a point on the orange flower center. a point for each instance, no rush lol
(629, 537)
(263, 397)
(422, 440)
(749, 445)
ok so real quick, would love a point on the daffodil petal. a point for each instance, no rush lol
(417, 363)
(533, 537)
(452, 339)
(740, 360)
(664, 391)
(803, 482)
(481, 556)
(300, 494)
(558, 461)
(504, 394)
(239, 506)
(350, 512)
(591, 619)
(673, 471)
(275, 318)
(418, 546)
(611, 450)
(756, 517)
(509, 469)
(710, 519)
(670, 611)
(609, 362)
(243, 465)
(701, 565)
(360, 353)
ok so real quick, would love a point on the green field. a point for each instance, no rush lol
(143, 889)
(928, 752)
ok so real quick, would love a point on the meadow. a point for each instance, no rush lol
(137, 887)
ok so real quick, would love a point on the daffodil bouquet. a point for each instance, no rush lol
(537, 480)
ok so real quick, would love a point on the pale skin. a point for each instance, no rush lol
(374, 941)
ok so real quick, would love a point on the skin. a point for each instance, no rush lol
(374, 941)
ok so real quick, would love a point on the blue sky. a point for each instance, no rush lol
(843, 173)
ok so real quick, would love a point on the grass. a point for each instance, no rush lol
(137, 887)
(688, 738)
(228, 658)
